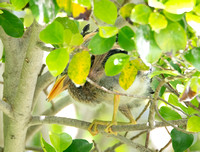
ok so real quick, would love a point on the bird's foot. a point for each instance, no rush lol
(109, 129)
(93, 127)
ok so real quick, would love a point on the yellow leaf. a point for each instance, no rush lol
(79, 67)
(139, 64)
(80, 12)
(128, 75)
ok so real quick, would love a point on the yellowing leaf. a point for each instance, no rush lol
(139, 64)
(80, 12)
(79, 67)
(128, 75)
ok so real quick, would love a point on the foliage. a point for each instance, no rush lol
(163, 34)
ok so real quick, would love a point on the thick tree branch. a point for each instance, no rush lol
(37, 120)
(42, 46)
(6, 108)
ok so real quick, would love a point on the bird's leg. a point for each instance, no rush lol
(115, 109)
(125, 110)
(93, 127)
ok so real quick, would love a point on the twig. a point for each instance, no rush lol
(145, 108)
(42, 46)
(191, 105)
(6, 108)
(114, 92)
(38, 120)
(165, 146)
(147, 139)
(110, 149)
(137, 146)
(96, 148)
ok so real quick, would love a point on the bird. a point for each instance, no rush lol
(92, 95)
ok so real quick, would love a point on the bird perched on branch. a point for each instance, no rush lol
(92, 95)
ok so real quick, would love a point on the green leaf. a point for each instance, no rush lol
(79, 67)
(180, 140)
(156, 4)
(125, 11)
(169, 114)
(99, 45)
(193, 124)
(67, 23)
(60, 141)
(139, 64)
(72, 39)
(105, 10)
(193, 21)
(116, 63)
(128, 75)
(174, 100)
(28, 18)
(6, 5)
(193, 56)
(46, 16)
(173, 38)
(11, 24)
(146, 45)
(35, 9)
(86, 3)
(154, 73)
(57, 61)
(179, 6)
(107, 31)
(125, 38)
(45, 146)
(79, 145)
(19, 4)
(157, 21)
(173, 17)
(140, 14)
(53, 33)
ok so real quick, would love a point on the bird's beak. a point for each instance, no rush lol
(60, 85)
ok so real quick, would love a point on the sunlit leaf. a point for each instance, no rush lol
(193, 21)
(107, 31)
(139, 64)
(53, 33)
(60, 141)
(68, 24)
(65, 4)
(57, 61)
(193, 124)
(6, 5)
(125, 38)
(45, 146)
(19, 4)
(173, 17)
(180, 140)
(128, 75)
(125, 11)
(179, 6)
(99, 45)
(146, 45)
(79, 67)
(86, 3)
(79, 145)
(157, 21)
(72, 39)
(197, 9)
(156, 4)
(35, 9)
(116, 63)
(140, 14)
(169, 114)
(11, 24)
(173, 38)
(28, 18)
(105, 10)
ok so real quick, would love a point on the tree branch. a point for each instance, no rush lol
(42, 46)
(59, 105)
(6, 108)
(38, 120)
